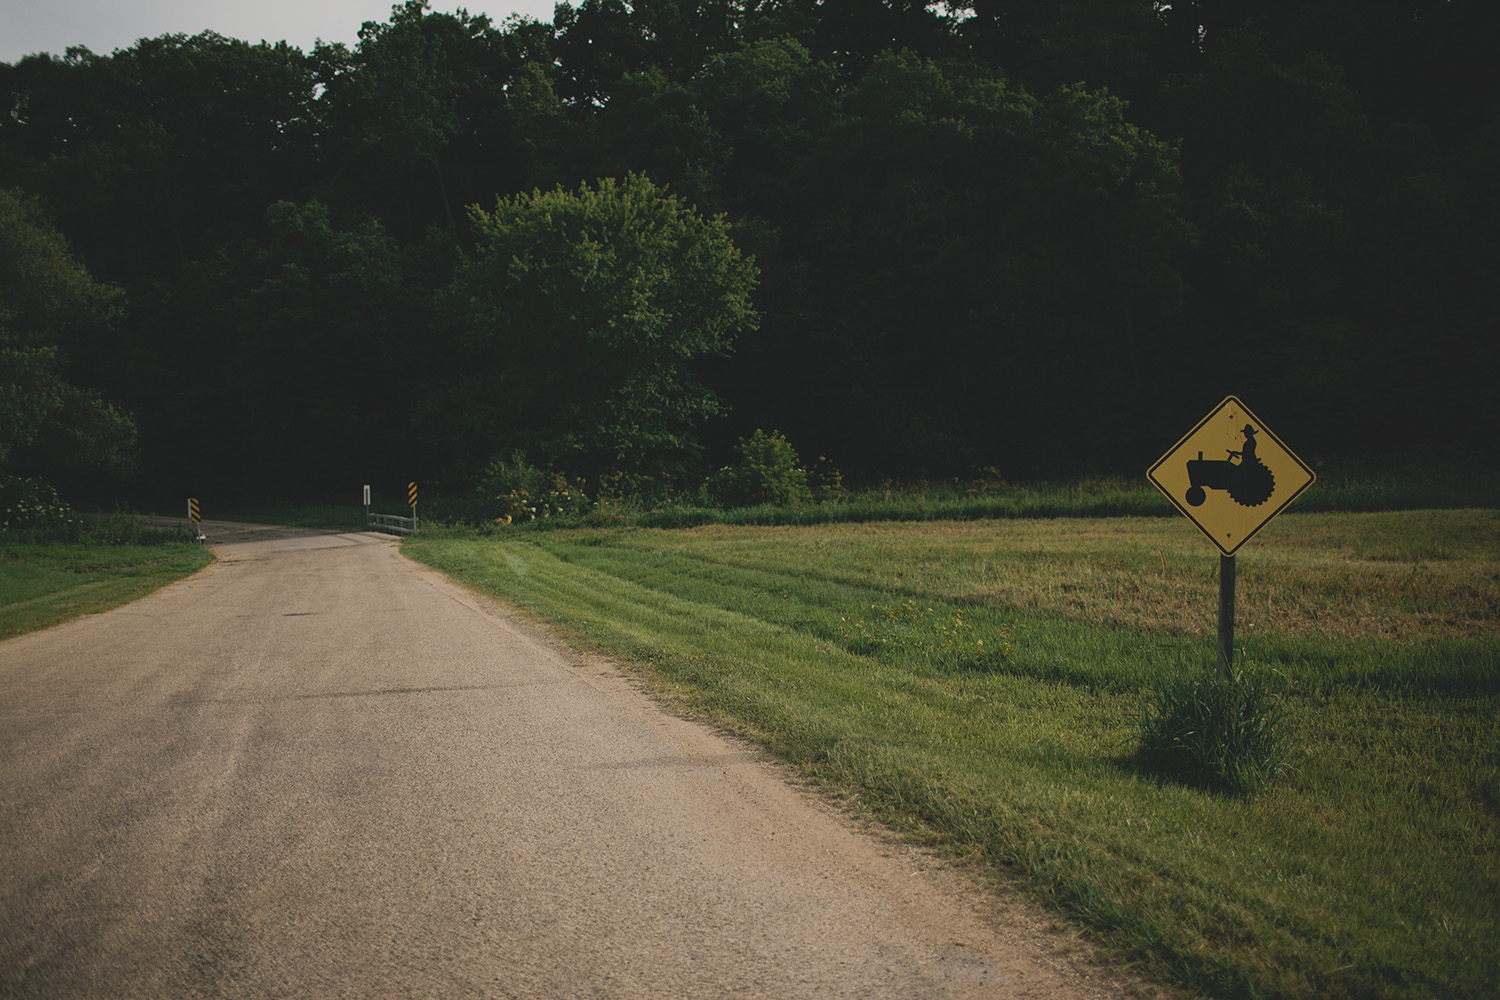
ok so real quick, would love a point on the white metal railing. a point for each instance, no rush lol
(393, 523)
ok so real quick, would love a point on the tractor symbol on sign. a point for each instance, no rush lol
(1248, 481)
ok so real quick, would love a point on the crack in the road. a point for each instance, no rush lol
(383, 692)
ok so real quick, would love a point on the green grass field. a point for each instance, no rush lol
(978, 686)
(44, 584)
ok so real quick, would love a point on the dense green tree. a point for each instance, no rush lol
(655, 127)
(850, 33)
(1126, 46)
(49, 426)
(997, 232)
(301, 352)
(769, 103)
(433, 111)
(579, 319)
(151, 155)
(1333, 247)
(412, 88)
(600, 42)
(954, 236)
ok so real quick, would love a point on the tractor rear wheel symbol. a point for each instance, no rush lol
(1248, 481)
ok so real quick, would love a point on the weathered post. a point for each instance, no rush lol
(1226, 616)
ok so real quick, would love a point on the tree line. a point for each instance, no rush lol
(1038, 238)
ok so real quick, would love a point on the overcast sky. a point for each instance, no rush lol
(28, 26)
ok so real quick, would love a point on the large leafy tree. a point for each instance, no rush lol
(48, 301)
(579, 320)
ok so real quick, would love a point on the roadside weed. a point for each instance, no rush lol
(1221, 733)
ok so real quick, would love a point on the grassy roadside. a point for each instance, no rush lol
(988, 498)
(978, 685)
(46, 583)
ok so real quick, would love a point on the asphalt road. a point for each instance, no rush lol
(316, 769)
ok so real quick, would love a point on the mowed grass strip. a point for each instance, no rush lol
(978, 686)
(45, 584)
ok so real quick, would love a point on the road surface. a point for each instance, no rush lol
(316, 769)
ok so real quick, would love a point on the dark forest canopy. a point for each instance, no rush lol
(1041, 238)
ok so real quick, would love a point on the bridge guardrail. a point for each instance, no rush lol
(393, 523)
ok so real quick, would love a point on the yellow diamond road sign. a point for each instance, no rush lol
(1230, 475)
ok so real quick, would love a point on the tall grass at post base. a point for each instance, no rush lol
(1206, 730)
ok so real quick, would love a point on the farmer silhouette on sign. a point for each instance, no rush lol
(1246, 454)
(1248, 481)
